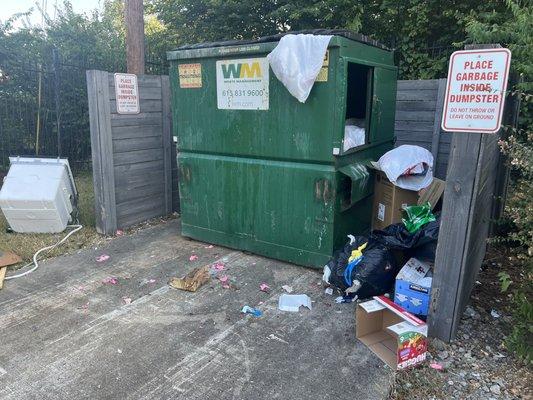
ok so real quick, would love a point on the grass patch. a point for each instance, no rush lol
(26, 244)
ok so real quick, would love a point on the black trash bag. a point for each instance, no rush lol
(374, 275)
(422, 244)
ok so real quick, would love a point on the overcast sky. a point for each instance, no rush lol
(10, 7)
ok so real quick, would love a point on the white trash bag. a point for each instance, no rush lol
(409, 167)
(354, 133)
(297, 60)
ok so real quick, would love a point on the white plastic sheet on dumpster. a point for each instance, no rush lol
(409, 167)
(354, 133)
(292, 302)
(296, 62)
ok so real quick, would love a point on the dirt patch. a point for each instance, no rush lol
(25, 245)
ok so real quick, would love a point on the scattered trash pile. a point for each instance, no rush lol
(400, 252)
(395, 261)
(198, 277)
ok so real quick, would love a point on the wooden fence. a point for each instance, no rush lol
(418, 116)
(132, 154)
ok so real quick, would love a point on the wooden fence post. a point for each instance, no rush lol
(465, 220)
(102, 151)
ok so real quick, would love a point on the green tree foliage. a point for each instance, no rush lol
(514, 29)
(423, 33)
(211, 20)
(82, 41)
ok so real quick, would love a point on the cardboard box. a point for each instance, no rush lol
(396, 336)
(389, 200)
(412, 290)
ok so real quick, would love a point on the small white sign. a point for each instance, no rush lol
(127, 94)
(475, 91)
(381, 212)
(242, 84)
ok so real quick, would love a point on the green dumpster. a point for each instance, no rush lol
(262, 172)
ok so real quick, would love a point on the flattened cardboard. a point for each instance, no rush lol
(394, 335)
(432, 193)
(192, 281)
(8, 258)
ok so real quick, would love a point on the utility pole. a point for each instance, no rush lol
(134, 18)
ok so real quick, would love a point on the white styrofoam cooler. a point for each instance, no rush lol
(38, 195)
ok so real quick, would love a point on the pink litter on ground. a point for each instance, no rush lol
(151, 280)
(436, 366)
(80, 288)
(126, 300)
(223, 278)
(264, 287)
(110, 280)
(120, 232)
(219, 266)
(209, 247)
(194, 257)
(102, 258)
(84, 306)
(225, 286)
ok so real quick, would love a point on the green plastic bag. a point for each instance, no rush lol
(417, 217)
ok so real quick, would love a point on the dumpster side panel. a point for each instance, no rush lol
(279, 209)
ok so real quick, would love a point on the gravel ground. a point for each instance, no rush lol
(476, 365)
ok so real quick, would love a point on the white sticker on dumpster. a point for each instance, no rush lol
(242, 84)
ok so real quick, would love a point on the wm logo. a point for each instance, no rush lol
(241, 70)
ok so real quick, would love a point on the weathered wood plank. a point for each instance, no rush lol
(136, 131)
(102, 157)
(126, 145)
(414, 136)
(129, 220)
(167, 141)
(412, 95)
(455, 225)
(427, 84)
(138, 206)
(425, 145)
(125, 194)
(479, 219)
(423, 116)
(415, 126)
(133, 180)
(138, 156)
(141, 167)
(141, 119)
(438, 117)
(416, 105)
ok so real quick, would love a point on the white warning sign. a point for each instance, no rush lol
(475, 91)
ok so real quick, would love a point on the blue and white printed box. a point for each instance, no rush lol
(413, 287)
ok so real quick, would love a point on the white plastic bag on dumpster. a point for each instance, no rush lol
(296, 62)
(354, 133)
(409, 167)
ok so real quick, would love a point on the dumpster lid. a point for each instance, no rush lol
(274, 38)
